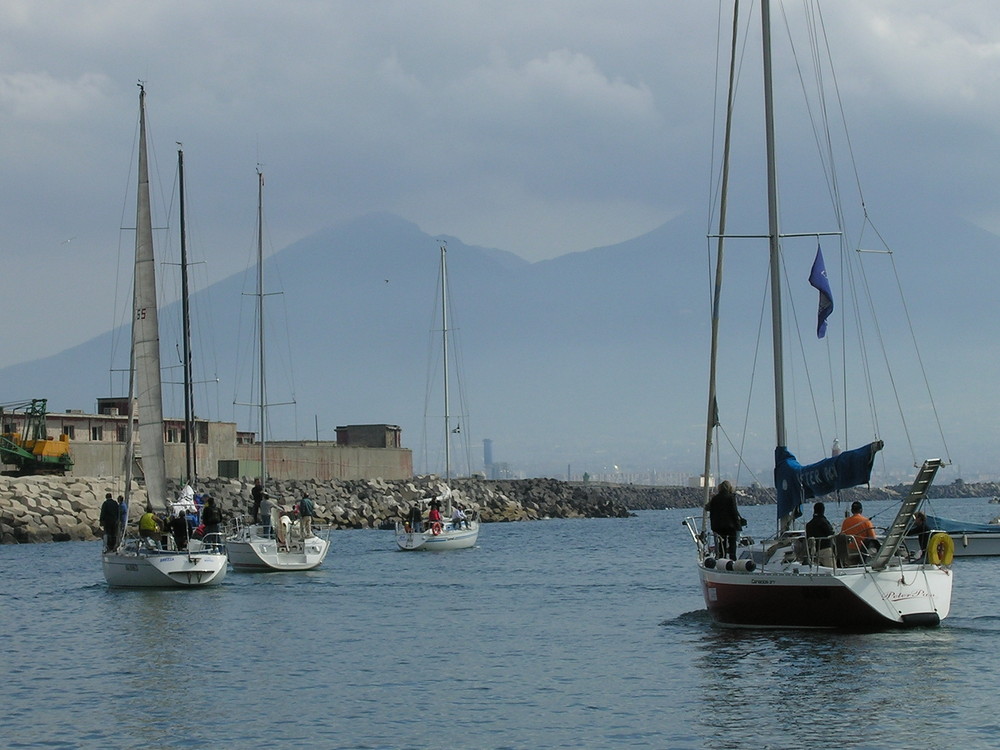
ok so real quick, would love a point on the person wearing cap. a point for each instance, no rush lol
(110, 513)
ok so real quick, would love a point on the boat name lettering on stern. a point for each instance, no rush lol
(761, 580)
(899, 596)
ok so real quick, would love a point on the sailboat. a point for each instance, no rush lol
(136, 562)
(277, 544)
(446, 533)
(784, 581)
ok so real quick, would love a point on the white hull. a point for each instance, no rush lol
(804, 596)
(449, 538)
(137, 567)
(976, 543)
(250, 549)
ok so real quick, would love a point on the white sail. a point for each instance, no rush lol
(147, 562)
(146, 336)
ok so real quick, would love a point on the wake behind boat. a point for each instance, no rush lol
(794, 580)
(144, 562)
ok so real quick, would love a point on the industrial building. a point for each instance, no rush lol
(97, 447)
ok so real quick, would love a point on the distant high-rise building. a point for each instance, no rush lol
(487, 454)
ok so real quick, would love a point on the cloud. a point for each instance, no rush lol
(41, 98)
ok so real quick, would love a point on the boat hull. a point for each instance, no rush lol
(449, 538)
(252, 550)
(976, 543)
(817, 597)
(164, 569)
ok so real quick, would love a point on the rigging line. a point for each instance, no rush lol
(433, 362)
(466, 423)
(761, 323)
(906, 311)
(715, 170)
(246, 345)
(793, 312)
(885, 356)
(120, 306)
(840, 105)
(851, 288)
(920, 360)
(820, 126)
(741, 464)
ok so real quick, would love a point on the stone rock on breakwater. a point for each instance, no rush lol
(46, 509)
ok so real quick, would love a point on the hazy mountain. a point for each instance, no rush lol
(594, 359)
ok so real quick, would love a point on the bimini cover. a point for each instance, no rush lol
(961, 527)
(796, 483)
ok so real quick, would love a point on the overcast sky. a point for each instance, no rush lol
(537, 127)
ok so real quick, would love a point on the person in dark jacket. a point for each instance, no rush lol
(211, 516)
(919, 529)
(257, 493)
(180, 530)
(110, 513)
(725, 520)
(819, 527)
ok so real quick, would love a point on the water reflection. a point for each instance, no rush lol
(161, 686)
(782, 688)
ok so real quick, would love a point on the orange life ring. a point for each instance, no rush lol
(436, 528)
(940, 549)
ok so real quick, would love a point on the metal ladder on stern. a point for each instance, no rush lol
(894, 536)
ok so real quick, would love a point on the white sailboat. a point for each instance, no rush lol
(278, 544)
(785, 581)
(446, 533)
(138, 563)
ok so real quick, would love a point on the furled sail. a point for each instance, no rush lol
(796, 483)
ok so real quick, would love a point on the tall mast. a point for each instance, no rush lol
(773, 229)
(190, 464)
(444, 349)
(260, 324)
(720, 255)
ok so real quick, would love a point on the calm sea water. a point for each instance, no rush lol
(554, 634)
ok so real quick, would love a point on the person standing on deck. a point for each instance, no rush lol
(110, 514)
(122, 518)
(725, 519)
(257, 493)
(306, 512)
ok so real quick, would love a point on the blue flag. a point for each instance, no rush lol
(818, 278)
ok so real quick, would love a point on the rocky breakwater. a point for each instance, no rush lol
(51, 509)
(47, 509)
(371, 503)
